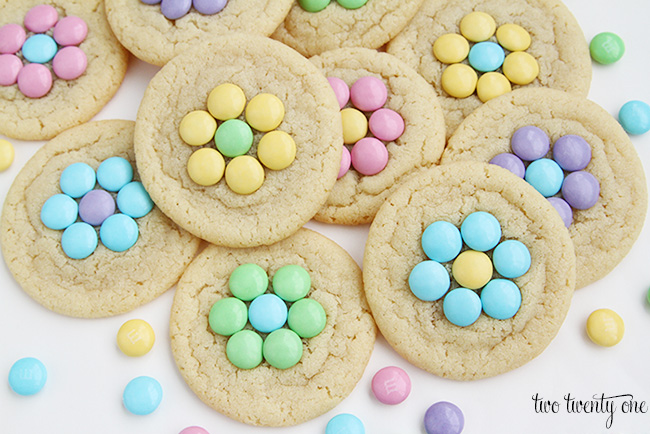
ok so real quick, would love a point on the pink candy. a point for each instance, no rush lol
(368, 93)
(386, 124)
(12, 37)
(10, 66)
(391, 385)
(69, 63)
(40, 19)
(345, 163)
(369, 156)
(341, 90)
(34, 80)
(70, 30)
(194, 430)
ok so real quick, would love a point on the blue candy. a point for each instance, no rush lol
(501, 299)
(114, 173)
(267, 313)
(59, 211)
(441, 241)
(462, 306)
(133, 200)
(481, 231)
(429, 280)
(142, 395)
(79, 240)
(486, 56)
(345, 423)
(545, 175)
(77, 179)
(39, 48)
(119, 232)
(634, 116)
(27, 376)
(511, 259)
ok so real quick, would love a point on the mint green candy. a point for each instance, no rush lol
(307, 318)
(244, 349)
(313, 5)
(352, 4)
(233, 138)
(282, 349)
(606, 48)
(291, 282)
(248, 281)
(228, 316)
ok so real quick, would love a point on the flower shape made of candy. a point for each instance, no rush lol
(472, 269)
(369, 155)
(561, 179)
(319, 5)
(25, 54)
(96, 207)
(486, 56)
(175, 9)
(233, 138)
(267, 314)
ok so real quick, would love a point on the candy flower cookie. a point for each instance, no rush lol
(473, 52)
(79, 232)
(59, 65)
(273, 335)
(392, 125)
(575, 154)
(467, 272)
(156, 31)
(242, 148)
(314, 26)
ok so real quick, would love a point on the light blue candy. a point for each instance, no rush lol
(486, 56)
(545, 175)
(462, 306)
(39, 48)
(77, 179)
(441, 241)
(345, 423)
(501, 298)
(267, 313)
(634, 116)
(511, 259)
(429, 280)
(79, 240)
(114, 173)
(119, 232)
(27, 376)
(142, 395)
(481, 231)
(133, 200)
(59, 211)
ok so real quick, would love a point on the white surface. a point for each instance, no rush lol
(87, 373)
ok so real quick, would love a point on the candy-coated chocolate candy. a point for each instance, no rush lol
(346, 161)
(605, 327)
(276, 150)
(444, 418)
(648, 295)
(530, 143)
(441, 241)
(520, 67)
(368, 93)
(307, 318)
(369, 156)
(228, 316)
(634, 117)
(34, 80)
(206, 166)
(197, 128)
(511, 259)
(513, 37)
(472, 269)
(133, 200)
(119, 232)
(572, 152)
(451, 48)
(233, 138)
(510, 162)
(175, 9)
(226, 101)
(386, 124)
(563, 208)
(39, 48)
(59, 211)
(459, 80)
(12, 38)
(340, 88)
(345, 423)
(244, 349)
(462, 307)
(244, 174)
(581, 190)
(150, 2)
(248, 281)
(194, 430)
(606, 48)
(314, 5)
(77, 179)
(69, 63)
(6, 154)
(114, 173)
(282, 349)
(209, 7)
(70, 30)
(481, 231)
(477, 26)
(545, 175)
(135, 338)
(27, 376)
(40, 19)
(10, 66)
(96, 206)
(486, 56)
(429, 280)
(142, 395)
(391, 385)
(352, 4)
(267, 313)
(265, 112)
(355, 125)
(501, 299)
(79, 240)
(291, 282)
(492, 85)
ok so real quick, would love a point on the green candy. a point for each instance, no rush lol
(352, 4)
(313, 5)
(648, 296)
(282, 349)
(233, 138)
(248, 281)
(291, 282)
(244, 349)
(228, 316)
(606, 48)
(307, 318)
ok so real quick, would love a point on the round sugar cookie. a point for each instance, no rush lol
(369, 26)
(557, 44)
(332, 362)
(150, 36)
(106, 282)
(603, 234)
(419, 330)
(287, 198)
(69, 102)
(356, 198)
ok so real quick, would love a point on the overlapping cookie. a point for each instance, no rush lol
(59, 65)
(468, 272)
(474, 51)
(575, 154)
(81, 235)
(273, 335)
(392, 125)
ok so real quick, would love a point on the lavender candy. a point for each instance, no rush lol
(510, 162)
(581, 190)
(96, 206)
(175, 9)
(562, 208)
(572, 152)
(530, 143)
(209, 7)
(444, 418)
(150, 2)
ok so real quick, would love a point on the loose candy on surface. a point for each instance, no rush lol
(119, 232)
(79, 240)
(462, 307)
(96, 206)
(291, 282)
(510, 162)
(605, 327)
(226, 101)
(369, 156)
(441, 241)
(228, 316)
(429, 280)
(6, 154)
(135, 338)
(193, 430)
(345, 423)
(451, 48)
(282, 349)
(391, 385)
(444, 418)
(206, 166)
(634, 117)
(27, 376)
(244, 174)
(307, 318)
(501, 299)
(472, 269)
(267, 313)
(606, 48)
(244, 349)
(248, 281)
(142, 395)
(368, 93)
(481, 231)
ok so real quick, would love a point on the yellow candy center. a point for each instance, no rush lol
(355, 125)
(605, 327)
(451, 48)
(520, 68)
(205, 166)
(226, 101)
(459, 80)
(265, 112)
(135, 338)
(197, 128)
(472, 269)
(513, 37)
(477, 26)
(276, 150)
(244, 174)
(491, 85)
(6, 154)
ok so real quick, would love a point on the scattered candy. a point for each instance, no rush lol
(27, 376)
(135, 338)
(606, 48)
(194, 430)
(142, 395)
(634, 116)
(6, 152)
(605, 327)
(345, 423)
(444, 418)
(391, 385)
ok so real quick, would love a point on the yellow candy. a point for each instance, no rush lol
(605, 327)
(513, 37)
(491, 85)
(197, 128)
(6, 154)
(477, 26)
(472, 269)
(451, 48)
(459, 80)
(244, 174)
(355, 125)
(276, 150)
(265, 112)
(226, 101)
(520, 68)
(135, 338)
(205, 166)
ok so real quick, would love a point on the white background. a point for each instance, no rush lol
(87, 372)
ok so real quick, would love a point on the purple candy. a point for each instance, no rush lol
(150, 2)
(581, 190)
(96, 206)
(444, 418)
(562, 208)
(572, 152)
(530, 143)
(175, 9)
(511, 162)
(209, 7)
